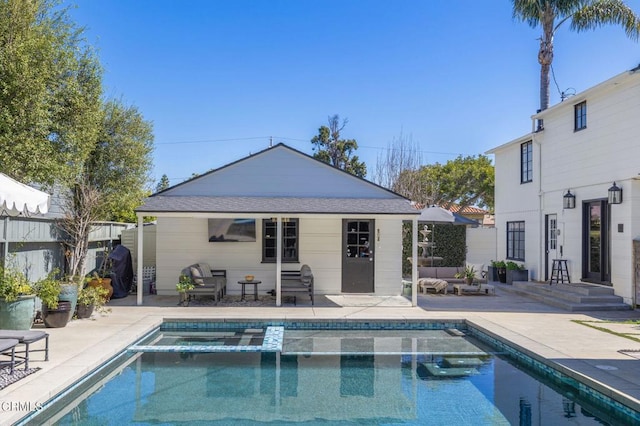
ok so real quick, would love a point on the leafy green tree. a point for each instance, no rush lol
(50, 92)
(119, 165)
(466, 181)
(330, 149)
(112, 181)
(163, 183)
(582, 14)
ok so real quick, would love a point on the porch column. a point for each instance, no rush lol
(278, 260)
(414, 263)
(140, 278)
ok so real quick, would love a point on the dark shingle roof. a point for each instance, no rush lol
(195, 204)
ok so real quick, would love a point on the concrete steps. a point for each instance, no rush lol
(571, 297)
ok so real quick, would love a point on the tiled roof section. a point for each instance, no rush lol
(467, 210)
(169, 204)
(455, 208)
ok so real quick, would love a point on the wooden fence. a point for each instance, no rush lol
(36, 246)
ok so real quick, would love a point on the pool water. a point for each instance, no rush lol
(337, 377)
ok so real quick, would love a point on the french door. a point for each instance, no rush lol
(595, 241)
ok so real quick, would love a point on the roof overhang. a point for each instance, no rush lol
(517, 141)
(275, 205)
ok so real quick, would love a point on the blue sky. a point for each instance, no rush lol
(218, 78)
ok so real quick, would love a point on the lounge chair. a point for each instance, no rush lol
(207, 281)
(8, 349)
(26, 338)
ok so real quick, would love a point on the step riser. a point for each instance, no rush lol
(564, 289)
(587, 305)
(574, 298)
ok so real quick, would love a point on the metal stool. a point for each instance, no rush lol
(559, 271)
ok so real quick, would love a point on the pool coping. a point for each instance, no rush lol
(275, 332)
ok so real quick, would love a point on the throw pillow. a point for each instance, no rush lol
(205, 269)
(196, 275)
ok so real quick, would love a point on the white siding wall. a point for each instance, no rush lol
(516, 202)
(183, 241)
(129, 239)
(280, 172)
(587, 161)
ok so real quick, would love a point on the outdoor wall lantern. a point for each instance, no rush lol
(569, 200)
(615, 194)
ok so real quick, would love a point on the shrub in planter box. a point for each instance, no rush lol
(516, 272)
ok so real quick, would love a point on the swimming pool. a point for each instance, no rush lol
(326, 373)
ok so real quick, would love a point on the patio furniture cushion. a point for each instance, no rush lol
(306, 276)
(196, 275)
(434, 284)
(447, 273)
(205, 269)
(26, 338)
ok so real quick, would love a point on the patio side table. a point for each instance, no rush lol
(244, 283)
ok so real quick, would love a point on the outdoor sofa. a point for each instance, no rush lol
(448, 274)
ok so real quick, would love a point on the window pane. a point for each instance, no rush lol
(289, 242)
(515, 240)
(526, 162)
(580, 111)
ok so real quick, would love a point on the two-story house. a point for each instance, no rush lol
(570, 189)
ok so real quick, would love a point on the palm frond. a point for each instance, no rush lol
(605, 12)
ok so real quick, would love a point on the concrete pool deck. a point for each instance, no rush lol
(551, 333)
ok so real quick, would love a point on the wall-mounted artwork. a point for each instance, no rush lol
(227, 230)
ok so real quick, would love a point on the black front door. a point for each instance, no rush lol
(595, 241)
(357, 256)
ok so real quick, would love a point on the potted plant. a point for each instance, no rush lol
(89, 299)
(184, 285)
(101, 280)
(492, 271)
(516, 272)
(55, 312)
(17, 300)
(469, 274)
(500, 271)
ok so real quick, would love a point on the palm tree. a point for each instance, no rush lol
(583, 15)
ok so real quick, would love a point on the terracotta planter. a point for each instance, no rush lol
(57, 318)
(19, 314)
(106, 283)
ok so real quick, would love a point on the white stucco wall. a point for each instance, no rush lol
(181, 242)
(481, 246)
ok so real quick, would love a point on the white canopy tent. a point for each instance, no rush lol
(18, 199)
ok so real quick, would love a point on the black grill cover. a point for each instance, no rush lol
(122, 271)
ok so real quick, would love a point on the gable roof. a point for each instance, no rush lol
(278, 179)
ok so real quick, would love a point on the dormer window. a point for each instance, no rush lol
(580, 116)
